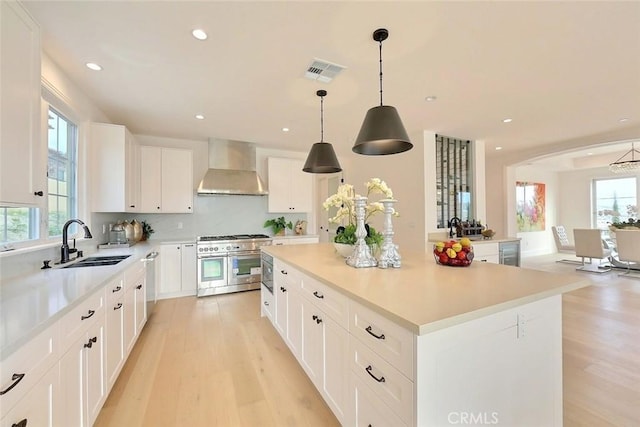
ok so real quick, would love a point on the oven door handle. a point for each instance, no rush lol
(244, 253)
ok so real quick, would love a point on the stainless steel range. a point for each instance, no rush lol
(229, 263)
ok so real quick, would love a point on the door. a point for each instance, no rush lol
(189, 267)
(177, 180)
(244, 268)
(212, 272)
(327, 185)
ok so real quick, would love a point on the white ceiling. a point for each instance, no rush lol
(560, 70)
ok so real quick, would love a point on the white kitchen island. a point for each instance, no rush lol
(423, 345)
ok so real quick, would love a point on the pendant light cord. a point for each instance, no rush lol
(381, 72)
(322, 119)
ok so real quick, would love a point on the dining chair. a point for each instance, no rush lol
(628, 246)
(588, 242)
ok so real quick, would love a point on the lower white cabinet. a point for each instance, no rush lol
(40, 406)
(268, 302)
(82, 376)
(316, 339)
(114, 351)
(178, 270)
(134, 305)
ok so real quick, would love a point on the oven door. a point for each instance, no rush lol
(212, 273)
(245, 267)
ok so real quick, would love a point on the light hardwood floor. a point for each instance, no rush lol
(214, 362)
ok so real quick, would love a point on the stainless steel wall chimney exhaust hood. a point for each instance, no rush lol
(232, 170)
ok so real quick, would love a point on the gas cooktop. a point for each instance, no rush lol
(232, 237)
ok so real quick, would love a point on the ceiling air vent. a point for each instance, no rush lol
(323, 71)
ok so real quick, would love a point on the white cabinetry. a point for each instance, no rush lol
(268, 302)
(22, 172)
(39, 406)
(290, 189)
(134, 304)
(177, 270)
(82, 368)
(114, 352)
(486, 252)
(24, 377)
(166, 180)
(295, 240)
(116, 171)
(288, 313)
(313, 321)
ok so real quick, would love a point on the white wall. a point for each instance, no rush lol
(404, 174)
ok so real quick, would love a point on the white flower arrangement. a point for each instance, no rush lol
(346, 214)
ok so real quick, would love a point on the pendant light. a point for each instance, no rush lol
(322, 158)
(382, 131)
(625, 164)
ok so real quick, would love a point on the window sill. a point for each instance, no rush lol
(28, 249)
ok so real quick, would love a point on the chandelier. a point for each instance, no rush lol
(627, 163)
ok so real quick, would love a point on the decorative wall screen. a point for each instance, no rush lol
(454, 179)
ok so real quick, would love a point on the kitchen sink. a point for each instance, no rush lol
(98, 261)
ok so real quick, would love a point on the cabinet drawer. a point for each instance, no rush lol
(384, 380)
(369, 410)
(285, 275)
(115, 290)
(332, 303)
(267, 301)
(76, 322)
(24, 368)
(387, 339)
(485, 249)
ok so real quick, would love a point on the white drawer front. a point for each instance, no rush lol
(267, 301)
(332, 303)
(384, 380)
(25, 367)
(76, 322)
(484, 249)
(285, 275)
(387, 339)
(115, 290)
(369, 410)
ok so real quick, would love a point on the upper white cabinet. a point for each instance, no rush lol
(166, 180)
(290, 189)
(22, 176)
(116, 171)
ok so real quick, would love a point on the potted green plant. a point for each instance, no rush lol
(146, 230)
(278, 225)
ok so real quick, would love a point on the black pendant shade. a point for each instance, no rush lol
(322, 158)
(382, 131)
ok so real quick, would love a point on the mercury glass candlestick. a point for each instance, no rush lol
(389, 256)
(361, 256)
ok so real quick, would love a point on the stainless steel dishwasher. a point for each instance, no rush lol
(153, 269)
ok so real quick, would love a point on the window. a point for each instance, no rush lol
(22, 224)
(61, 172)
(615, 200)
(454, 180)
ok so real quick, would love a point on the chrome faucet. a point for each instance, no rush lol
(64, 250)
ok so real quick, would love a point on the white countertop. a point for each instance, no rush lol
(30, 303)
(423, 296)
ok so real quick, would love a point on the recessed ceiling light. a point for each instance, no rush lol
(199, 34)
(199, 117)
(498, 148)
(431, 98)
(625, 119)
(285, 129)
(507, 120)
(589, 154)
(93, 66)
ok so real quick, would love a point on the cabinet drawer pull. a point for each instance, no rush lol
(16, 378)
(283, 289)
(266, 303)
(368, 369)
(89, 344)
(139, 286)
(283, 271)
(38, 193)
(118, 307)
(22, 423)
(117, 288)
(317, 319)
(369, 329)
(317, 295)
(91, 313)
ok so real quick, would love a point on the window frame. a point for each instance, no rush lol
(594, 195)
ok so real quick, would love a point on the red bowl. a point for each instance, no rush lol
(449, 256)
